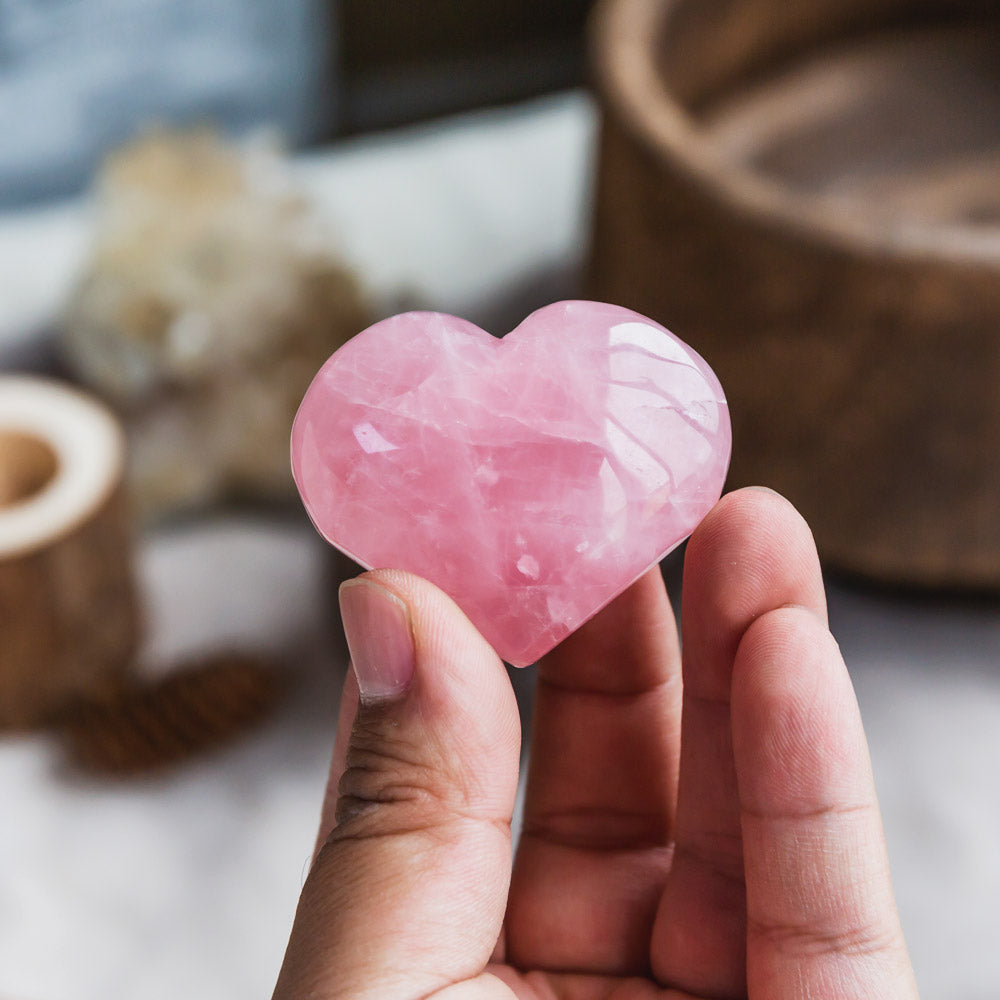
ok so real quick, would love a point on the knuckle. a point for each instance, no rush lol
(389, 774)
(808, 939)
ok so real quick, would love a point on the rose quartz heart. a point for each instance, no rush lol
(532, 478)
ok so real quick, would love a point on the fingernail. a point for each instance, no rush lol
(766, 489)
(379, 637)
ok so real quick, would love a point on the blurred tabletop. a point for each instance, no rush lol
(185, 884)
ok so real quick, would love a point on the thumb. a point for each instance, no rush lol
(407, 895)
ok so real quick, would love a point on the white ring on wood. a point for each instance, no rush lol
(89, 447)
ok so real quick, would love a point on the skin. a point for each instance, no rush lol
(695, 825)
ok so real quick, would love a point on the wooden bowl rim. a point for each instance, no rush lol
(623, 35)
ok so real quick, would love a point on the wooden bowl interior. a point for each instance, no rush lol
(873, 113)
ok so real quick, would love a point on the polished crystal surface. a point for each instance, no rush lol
(532, 478)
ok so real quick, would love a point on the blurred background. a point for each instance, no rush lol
(199, 202)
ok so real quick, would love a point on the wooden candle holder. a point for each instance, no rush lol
(809, 193)
(69, 621)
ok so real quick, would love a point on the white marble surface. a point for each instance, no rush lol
(185, 886)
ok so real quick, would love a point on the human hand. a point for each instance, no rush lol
(745, 859)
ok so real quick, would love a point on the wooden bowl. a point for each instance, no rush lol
(809, 193)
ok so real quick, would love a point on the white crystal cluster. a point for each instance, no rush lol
(211, 296)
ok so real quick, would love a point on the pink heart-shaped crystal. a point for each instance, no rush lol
(532, 478)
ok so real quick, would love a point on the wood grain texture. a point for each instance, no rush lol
(857, 339)
(69, 619)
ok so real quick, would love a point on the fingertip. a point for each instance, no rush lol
(798, 740)
(442, 631)
(457, 676)
(820, 910)
(755, 519)
(751, 554)
(629, 646)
